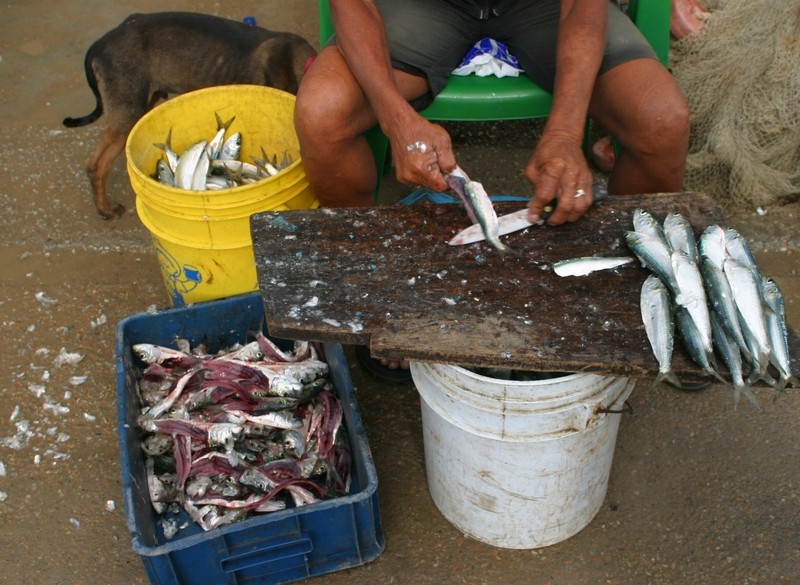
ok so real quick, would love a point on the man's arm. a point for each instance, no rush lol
(361, 38)
(558, 166)
(362, 41)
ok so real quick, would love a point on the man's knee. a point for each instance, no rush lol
(662, 122)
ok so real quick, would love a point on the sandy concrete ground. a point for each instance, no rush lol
(699, 492)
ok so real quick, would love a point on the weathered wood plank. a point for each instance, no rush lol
(386, 277)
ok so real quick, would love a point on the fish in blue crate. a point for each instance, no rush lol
(249, 430)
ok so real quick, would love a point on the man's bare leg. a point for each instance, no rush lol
(331, 116)
(642, 106)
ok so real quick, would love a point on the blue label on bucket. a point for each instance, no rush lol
(179, 278)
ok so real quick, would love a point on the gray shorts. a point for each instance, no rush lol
(431, 37)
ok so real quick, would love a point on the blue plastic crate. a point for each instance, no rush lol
(273, 548)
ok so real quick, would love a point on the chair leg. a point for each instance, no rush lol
(379, 144)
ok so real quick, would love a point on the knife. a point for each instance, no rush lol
(518, 220)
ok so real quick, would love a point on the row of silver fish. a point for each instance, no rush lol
(714, 292)
(212, 165)
(249, 430)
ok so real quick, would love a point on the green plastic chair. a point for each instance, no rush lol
(482, 99)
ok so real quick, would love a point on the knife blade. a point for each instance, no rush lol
(518, 220)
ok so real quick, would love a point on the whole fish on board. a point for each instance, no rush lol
(776, 328)
(680, 235)
(659, 324)
(746, 291)
(645, 223)
(654, 253)
(732, 357)
(737, 248)
(588, 264)
(694, 344)
(723, 306)
(720, 297)
(692, 296)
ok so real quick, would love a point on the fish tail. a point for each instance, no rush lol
(503, 249)
(789, 380)
(761, 373)
(712, 372)
(739, 389)
(221, 124)
(668, 376)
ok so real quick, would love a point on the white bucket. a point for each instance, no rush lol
(518, 464)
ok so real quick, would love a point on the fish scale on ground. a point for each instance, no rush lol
(722, 304)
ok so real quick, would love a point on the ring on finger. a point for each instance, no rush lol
(418, 146)
(579, 193)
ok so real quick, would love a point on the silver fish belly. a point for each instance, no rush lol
(692, 296)
(588, 264)
(654, 254)
(747, 296)
(680, 235)
(646, 224)
(720, 297)
(712, 245)
(729, 351)
(187, 164)
(776, 328)
(656, 308)
(484, 211)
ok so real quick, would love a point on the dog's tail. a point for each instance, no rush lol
(92, 79)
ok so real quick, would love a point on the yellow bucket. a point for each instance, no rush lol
(202, 238)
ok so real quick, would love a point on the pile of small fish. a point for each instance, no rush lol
(249, 430)
(212, 165)
(715, 292)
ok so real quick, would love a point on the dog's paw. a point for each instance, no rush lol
(112, 211)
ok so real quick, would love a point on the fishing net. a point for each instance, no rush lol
(741, 76)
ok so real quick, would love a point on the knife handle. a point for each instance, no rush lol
(599, 193)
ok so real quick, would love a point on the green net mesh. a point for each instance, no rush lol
(741, 76)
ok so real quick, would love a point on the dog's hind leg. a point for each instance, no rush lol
(111, 146)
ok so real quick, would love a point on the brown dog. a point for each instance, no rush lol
(151, 56)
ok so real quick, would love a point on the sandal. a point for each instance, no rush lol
(378, 370)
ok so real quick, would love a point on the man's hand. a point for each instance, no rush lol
(558, 169)
(422, 152)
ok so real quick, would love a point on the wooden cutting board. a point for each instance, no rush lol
(386, 277)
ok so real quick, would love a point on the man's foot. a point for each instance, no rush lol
(603, 154)
(687, 17)
(389, 370)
